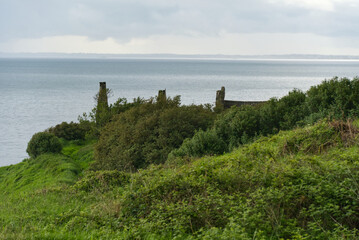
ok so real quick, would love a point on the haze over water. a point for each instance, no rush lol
(39, 93)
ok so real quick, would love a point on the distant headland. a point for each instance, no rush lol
(181, 56)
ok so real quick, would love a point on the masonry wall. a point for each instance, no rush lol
(224, 104)
(229, 103)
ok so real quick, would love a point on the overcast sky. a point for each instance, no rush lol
(242, 27)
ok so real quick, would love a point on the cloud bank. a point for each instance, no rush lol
(195, 26)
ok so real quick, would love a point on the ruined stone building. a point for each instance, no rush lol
(224, 104)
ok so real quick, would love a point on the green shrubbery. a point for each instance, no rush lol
(98, 118)
(203, 142)
(102, 180)
(147, 132)
(100, 115)
(335, 99)
(277, 187)
(70, 131)
(144, 132)
(43, 142)
(241, 125)
(297, 184)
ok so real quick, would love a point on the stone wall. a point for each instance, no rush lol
(221, 103)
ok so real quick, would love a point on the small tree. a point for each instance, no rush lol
(70, 131)
(146, 133)
(43, 142)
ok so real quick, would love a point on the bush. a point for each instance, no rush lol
(146, 133)
(335, 98)
(70, 131)
(43, 142)
(102, 180)
(279, 187)
(98, 118)
(203, 142)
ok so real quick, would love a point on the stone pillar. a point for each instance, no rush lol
(162, 96)
(102, 105)
(102, 95)
(220, 98)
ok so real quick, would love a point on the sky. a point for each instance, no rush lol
(229, 27)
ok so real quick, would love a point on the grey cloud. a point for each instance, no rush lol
(126, 19)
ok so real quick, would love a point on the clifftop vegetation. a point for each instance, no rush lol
(147, 133)
(287, 169)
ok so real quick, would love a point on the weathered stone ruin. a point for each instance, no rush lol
(224, 104)
(221, 103)
(102, 104)
(162, 96)
(102, 95)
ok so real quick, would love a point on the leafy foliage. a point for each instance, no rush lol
(291, 184)
(264, 189)
(43, 142)
(47, 170)
(335, 99)
(203, 142)
(338, 98)
(70, 131)
(94, 121)
(147, 132)
(298, 184)
(120, 106)
(80, 151)
(102, 180)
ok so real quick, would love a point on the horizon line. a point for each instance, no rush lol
(292, 56)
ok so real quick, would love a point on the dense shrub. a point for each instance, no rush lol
(122, 105)
(70, 131)
(203, 142)
(102, 180)
(241, 125)
(147, 132)
(291, 109)
(43, 142)
(100, 118)
(335, 98)
(278, 187)
(338, 98)
(298, 184)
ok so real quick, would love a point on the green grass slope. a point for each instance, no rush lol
(299, 184)
(47, 170)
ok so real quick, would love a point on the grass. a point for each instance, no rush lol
(47, 170)
(80, 151)
(35, 193)
(299, 184)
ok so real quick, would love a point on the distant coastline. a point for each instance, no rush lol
(297, 57)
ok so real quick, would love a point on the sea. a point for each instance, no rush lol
(38, 93)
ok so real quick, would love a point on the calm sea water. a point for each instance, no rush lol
(39, 93)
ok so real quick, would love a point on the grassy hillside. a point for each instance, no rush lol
(298, 184)
(45, 171)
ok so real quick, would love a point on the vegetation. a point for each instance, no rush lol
(146, 133)
(285, 175)
(298, 184)
(43, 142)
(333, 99)
(70, 131)
(94, 121)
